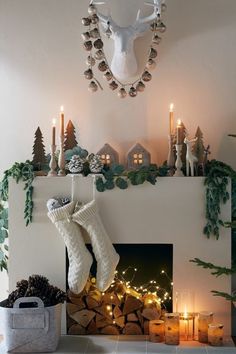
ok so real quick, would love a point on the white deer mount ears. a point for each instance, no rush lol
(123, 67)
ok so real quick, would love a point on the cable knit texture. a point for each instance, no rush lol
(80, 260)
(106, 256)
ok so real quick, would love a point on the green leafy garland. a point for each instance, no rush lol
(216, 182)
(20, 172)
(3, 236)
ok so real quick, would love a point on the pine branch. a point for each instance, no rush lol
(216, 270)
(226, 296)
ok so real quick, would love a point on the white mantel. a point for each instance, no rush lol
(170, 212)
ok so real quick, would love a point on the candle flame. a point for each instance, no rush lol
(54, 122)
(172, 107)
(179, 122)
(62, 109)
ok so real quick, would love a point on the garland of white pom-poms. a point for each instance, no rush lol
(92, 41)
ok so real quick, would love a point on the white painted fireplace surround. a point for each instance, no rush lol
(170, 212)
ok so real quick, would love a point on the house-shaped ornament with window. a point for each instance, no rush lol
(109, 156)
(137, 157)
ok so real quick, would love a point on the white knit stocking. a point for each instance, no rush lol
(80, 260)
(106, 256)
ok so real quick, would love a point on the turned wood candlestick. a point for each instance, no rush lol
(178, 164)
(53, 162)
(61, 159)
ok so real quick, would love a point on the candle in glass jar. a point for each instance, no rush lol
(156, 331)
(205, 318)
(215, 334)
(62, 121)
(54, 132)
(171, 119)
(172, 328)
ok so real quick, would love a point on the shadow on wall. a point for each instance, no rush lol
(187, 18)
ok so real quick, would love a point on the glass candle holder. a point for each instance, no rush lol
(156, 331)
(204, 319)
(186, 327)
(172, 328)
(215, 334)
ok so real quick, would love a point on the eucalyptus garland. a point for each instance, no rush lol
(216, 182)
(3, 236)
(20, 172)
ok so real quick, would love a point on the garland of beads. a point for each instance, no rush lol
(92, 40)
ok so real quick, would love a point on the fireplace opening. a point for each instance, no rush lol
(140, 292)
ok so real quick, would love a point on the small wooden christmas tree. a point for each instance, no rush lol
(70, 138)
(39, 157)
(198, 148)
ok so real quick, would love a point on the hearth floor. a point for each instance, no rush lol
(133, 345)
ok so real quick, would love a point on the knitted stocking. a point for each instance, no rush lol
(106, 256)
(80, 260)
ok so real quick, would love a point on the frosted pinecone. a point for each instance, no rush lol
(95, 164)
(76, 164)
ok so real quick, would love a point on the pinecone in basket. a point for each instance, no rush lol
(95, 164)
(76, 164)
(37, 286)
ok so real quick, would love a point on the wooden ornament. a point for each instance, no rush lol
(88, 46)
(102, 66)
(152, 53)
(93, 87)
(98, 44)
(122, 93)
(85, 36)
(156, 39)
(90, 61)
(133, 92)
(92, 10)
(99, 55)
(140, 86)
(86, 21)
(151, 64)
(88, 74)
(39, 157)
(108, 76)
(94, 19)
(113, 85)
(94, 33)
(146, 76)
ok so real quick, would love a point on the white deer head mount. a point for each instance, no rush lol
(124, 62)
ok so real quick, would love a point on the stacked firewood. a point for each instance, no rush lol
(117, 311)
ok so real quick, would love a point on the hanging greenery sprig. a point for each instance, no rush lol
(3, 236)
(217, 193)
(20, 172)
(218, 271)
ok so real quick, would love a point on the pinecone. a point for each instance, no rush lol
(37, 286)
(76, 164)
(95, 164)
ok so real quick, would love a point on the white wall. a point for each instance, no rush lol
(42, 61)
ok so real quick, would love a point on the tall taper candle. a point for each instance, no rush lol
(171, 119)
(179, 133)
(62, 121)
(54, 131)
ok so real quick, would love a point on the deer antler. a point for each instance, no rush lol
(147, 19)
(105, 20)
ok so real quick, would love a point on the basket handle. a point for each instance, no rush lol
(23, 300)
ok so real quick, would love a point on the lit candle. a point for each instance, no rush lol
(205, 318)
(171, 118)
(62, 121)
(172, 328)
(156, 331)
(215, 334)
(179, 132)
(54, 131)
